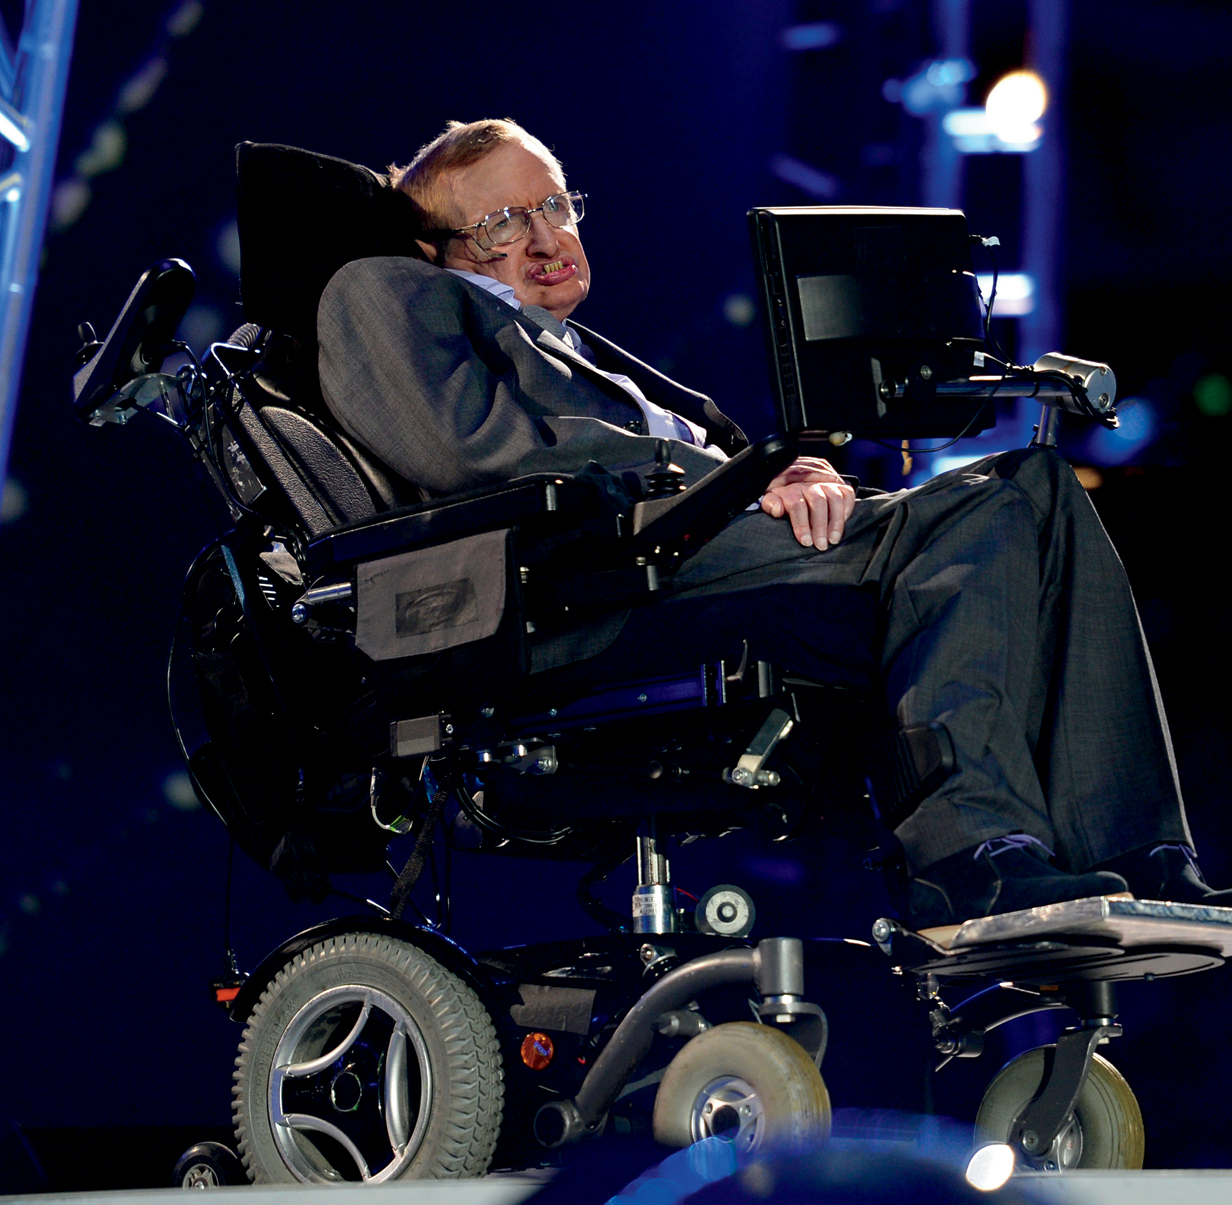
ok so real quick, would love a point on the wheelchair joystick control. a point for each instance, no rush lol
(667, 478)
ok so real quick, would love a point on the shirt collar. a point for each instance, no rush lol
(505, 293)
(497, 288)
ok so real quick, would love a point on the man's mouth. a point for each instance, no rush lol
(554, 272)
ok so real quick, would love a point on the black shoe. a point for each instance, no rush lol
(1166, 872)
(1005, 874)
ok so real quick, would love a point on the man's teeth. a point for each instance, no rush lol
(554, 266)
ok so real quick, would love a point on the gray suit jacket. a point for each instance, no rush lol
(453, 389)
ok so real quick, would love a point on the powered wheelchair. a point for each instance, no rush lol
(368, 666)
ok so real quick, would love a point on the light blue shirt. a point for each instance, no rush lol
(661, 423)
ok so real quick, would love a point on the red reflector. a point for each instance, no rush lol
(225, 994)
(537, 1050)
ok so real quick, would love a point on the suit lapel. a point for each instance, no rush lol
(548, 342)
(660, 389)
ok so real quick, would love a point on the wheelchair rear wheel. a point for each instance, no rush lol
(743, 1082)
(365, 1059)
(1105, 1131)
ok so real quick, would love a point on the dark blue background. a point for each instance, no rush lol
(111, 895)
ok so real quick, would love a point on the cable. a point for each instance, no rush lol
(940, 447)
(423, 916)
(989, 244)
(475, 813)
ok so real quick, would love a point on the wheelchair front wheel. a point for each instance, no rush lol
(1106, 1128)
(207, 1165)
(365, 1059)
(742, 1082)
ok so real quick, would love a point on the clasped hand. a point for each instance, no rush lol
(813, 498)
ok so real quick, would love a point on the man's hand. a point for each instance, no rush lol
(813, 498)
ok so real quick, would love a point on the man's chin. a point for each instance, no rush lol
(558, 301)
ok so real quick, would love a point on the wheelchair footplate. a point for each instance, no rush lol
(1069, 956)
(1108, 937)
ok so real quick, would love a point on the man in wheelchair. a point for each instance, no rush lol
(481, 575)
(1004, 611)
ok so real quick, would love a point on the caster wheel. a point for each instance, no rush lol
(365, 1059)
(742, 1082)
(208, 1165)
(1104, 1132)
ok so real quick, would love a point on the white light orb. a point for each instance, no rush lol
(1017, 101)
(991, 1166)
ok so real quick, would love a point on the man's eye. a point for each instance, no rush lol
(495, 225)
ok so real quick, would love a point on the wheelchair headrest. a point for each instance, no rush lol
(301, 217)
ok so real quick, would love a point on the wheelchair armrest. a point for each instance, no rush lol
(677, 525)
(139, 339)
(685, 521)
(540, 495)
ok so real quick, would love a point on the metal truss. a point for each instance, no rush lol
(32, 83)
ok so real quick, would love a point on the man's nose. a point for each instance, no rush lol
(541, 238)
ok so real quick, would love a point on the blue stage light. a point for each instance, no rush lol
(815, 36)
(1118, 446)
(812, 180)
(937, 85)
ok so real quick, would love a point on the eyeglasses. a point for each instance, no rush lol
(512, 223)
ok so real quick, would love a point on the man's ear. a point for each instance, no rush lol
(431, 250)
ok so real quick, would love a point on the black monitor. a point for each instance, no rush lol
(867, 311)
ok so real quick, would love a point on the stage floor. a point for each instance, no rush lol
(1074, 1188)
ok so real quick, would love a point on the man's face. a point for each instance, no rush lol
(548, 267)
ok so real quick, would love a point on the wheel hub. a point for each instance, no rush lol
(728, 1108)
(201, 1175)
(346, 1090)
(1064, 1153)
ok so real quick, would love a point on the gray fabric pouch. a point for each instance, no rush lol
(432, 598)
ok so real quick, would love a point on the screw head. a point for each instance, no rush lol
(882, 929)
(1030, 1140)
(299, 614)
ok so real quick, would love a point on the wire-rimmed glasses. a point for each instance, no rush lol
(511, 223)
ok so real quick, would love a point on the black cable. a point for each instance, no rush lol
(473, 811)
(400, 896)
(423, 916)
(989, 335)
(359, 899)
(941, 447)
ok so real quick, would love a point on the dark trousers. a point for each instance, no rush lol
(1003, 611)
